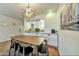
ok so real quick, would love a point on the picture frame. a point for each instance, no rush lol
(67, 17)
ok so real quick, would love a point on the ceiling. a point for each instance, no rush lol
(16, 10)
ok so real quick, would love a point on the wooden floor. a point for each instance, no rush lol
(4, 46)
(53, 51)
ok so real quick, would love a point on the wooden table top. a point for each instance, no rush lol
(35, 40)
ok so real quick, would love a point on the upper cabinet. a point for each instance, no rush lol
(34, 26)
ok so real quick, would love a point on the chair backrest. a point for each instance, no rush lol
(26, 47)
(16, 46)
(42, 48)
(21, 49)
(28, 50)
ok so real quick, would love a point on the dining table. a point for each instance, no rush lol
(26, 40)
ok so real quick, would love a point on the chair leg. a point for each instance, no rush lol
(11, 48)
(35, 53)
(23, 51)
(17, 53)
(14, 50)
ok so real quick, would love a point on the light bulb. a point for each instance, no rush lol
(50, 14)
(28, 10)
(26, 14)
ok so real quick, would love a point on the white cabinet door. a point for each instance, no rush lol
(52, 39)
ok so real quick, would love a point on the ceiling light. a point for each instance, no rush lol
(29, 12)
(50, 14)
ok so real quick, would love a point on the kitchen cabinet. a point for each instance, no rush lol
(52, 38)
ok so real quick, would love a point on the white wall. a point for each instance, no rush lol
(50, 22)
(69, 42)
(7, 29)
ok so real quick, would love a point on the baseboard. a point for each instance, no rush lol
(52, 46)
